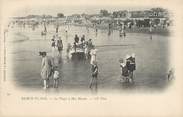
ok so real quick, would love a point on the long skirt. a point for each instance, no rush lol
(46, 73)
(93, 58)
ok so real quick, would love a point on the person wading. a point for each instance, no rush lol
(94, 73)
(93, 54)
(60, 45)
(46, 69)
(124, 71)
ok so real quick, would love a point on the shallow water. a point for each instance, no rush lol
(151, 59)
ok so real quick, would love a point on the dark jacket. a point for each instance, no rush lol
(94, 70)
(131, 65)
(76, 39)
(53, 44)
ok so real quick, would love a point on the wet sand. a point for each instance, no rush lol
(151, 58)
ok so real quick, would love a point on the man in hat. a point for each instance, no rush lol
(59, 45)
(94, 70)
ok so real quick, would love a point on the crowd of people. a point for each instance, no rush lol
(82, 45)
(56, 44)
(50, 69)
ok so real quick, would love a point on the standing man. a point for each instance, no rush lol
(109, 29)
(57, 29)
(94, 70)
(150, 29)
(76, 39)
(60, 45)
(82, 41)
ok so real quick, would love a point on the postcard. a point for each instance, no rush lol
(91, 58)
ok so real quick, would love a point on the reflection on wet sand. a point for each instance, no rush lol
(76, 74)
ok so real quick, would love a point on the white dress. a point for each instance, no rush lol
(56, 75)
(93, 54)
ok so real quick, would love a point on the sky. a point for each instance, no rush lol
(68, 10)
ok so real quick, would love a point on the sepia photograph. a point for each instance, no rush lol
(97, 50)
(92, 53)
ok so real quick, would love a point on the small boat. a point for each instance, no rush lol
(77, 54)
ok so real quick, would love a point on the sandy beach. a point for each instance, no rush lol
(152, 59)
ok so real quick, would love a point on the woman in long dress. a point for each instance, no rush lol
(46, 69)
(93, 54)
(60, 45)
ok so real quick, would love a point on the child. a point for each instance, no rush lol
(124, 71)
(55, 77)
